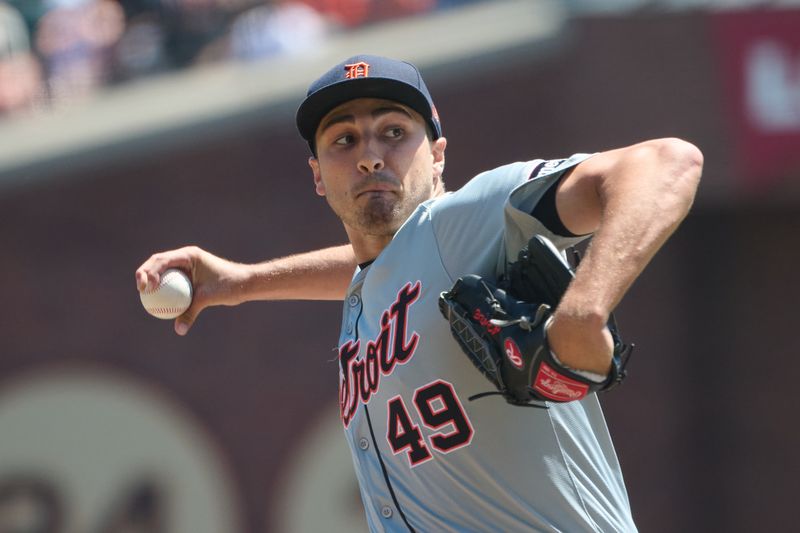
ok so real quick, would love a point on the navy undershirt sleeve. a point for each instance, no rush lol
(545, 212)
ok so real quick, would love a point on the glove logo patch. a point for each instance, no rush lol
(558, 387)
(513, 353)
(481, 319)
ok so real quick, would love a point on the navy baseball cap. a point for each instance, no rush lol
(366, 76)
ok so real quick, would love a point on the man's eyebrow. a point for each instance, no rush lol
(348, 117)
(336, 119)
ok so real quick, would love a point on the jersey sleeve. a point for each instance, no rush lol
(519, 224)
(486, 222)
(468, 223)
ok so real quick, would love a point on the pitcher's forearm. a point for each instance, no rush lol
(318, 275)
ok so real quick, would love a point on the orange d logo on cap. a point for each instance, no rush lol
(356, 70)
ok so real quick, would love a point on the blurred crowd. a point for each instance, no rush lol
(54, 53)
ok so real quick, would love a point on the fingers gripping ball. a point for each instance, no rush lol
(171, 298)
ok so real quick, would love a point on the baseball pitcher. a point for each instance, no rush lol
(471, 353)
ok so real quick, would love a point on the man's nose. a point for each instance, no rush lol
(371, 159)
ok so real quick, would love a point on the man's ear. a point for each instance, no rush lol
(318, 185)
(437, 149)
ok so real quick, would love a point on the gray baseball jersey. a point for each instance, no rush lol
(426, 458)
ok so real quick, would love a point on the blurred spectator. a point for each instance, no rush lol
(354, 13)
(63, 51)
(31, 10)
(75, 39)
(192, 24)
(283, 27)
(347, 13)
(20, 73)
(141, 50)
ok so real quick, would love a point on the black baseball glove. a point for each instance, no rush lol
(501, 327)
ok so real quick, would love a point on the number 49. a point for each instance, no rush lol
(440, 410)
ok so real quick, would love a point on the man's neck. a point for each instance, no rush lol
(367, 247)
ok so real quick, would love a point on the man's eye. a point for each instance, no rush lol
(344, 140)
(394, 133)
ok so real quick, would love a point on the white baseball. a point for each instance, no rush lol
(171, 298)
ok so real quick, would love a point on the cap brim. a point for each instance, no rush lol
(318, 104)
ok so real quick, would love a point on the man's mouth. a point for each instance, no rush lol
(377, 188)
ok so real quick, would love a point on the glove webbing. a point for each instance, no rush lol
(475, 346)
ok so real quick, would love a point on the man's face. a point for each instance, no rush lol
(375, 164)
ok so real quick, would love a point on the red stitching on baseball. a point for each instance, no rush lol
(165, 309)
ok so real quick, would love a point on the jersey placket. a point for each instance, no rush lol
(376, 489)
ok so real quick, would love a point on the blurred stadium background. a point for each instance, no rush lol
(132, 126)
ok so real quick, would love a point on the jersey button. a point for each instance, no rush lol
(386, 511)
(349, 328)
(363, 443)
(353, 300)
